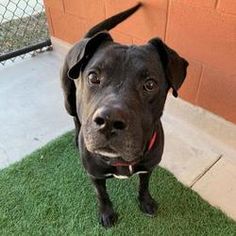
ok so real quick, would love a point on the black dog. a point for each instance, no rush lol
(116, 94)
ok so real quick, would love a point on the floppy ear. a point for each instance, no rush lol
(86, 52)
(175, 67)
(75, 61)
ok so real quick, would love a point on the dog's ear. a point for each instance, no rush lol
(175, 67)
(86, 50)
(77, 58)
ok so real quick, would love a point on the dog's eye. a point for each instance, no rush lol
(93, 78)
(149, 85)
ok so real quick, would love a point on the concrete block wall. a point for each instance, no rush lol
(203, 31)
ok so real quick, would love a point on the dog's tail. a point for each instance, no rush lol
(111, 22)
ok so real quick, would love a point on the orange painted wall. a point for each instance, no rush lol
(203, 31)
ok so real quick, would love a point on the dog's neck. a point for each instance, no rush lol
(125, 170)
(149, 148)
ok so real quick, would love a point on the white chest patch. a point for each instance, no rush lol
(125, 176)
(121, 176)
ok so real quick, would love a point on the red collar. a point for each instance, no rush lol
(150, 145)
(152, 140)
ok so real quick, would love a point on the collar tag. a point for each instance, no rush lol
(131, 169)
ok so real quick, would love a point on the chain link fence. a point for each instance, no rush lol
(23, 29)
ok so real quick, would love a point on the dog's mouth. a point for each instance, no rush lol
(113, 158)
(118, 163)
(107, 152)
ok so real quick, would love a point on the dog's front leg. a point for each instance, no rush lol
(108, 216)
(147, 204)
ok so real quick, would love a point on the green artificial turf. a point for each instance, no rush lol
(49, 193)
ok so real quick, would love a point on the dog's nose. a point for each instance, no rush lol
(110, 119)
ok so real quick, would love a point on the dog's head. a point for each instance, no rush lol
(121, 92)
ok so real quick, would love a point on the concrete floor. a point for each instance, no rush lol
(31, 106)
(200, 148)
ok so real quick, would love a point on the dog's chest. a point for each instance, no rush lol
(124, 172)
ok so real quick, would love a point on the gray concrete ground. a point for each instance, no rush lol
(31, 106)
(200, 148)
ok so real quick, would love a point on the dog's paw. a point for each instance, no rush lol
(148, 205)
(108, 218)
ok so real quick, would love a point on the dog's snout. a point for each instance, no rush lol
(110, 118)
